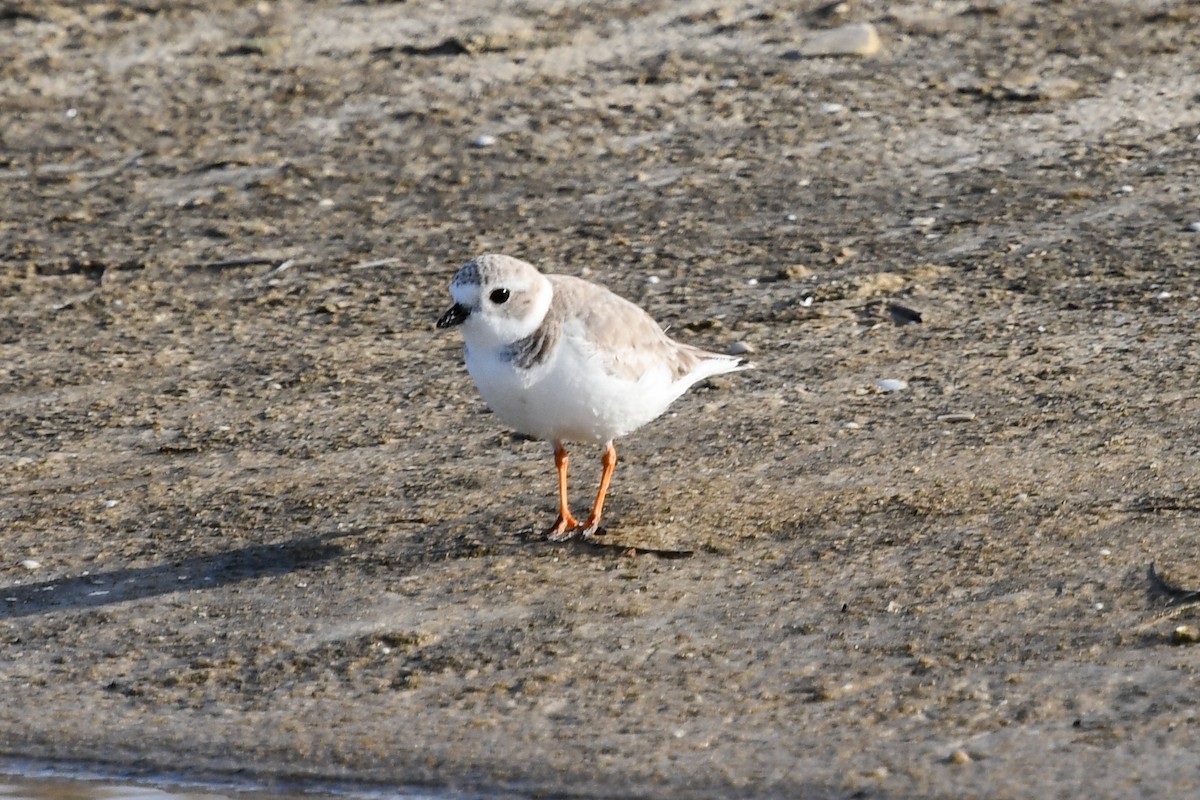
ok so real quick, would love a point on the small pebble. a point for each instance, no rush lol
(806, 302)
(31, 563)
(1125, 189)
(739, 349)
(835, 9)
(851, 426)
(922, 222)
(960, 757)
(483, 140)
(849, 40)
(1186, 634)
(325, 202)
(1163, 296)
(1104, 551)
(958, 416)
(652, 279)
(728, 83)
(890, 385)
(793, 218)
(903, 315)
(1194, 227)
(832, 108)
(1099, 606)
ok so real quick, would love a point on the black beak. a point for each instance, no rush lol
(454, 316)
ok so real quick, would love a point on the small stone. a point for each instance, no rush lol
(903, 315)
(739, 349)
(959, 757)
(958, 416)
(1194, 227)
(887, 385)
(849, 40)
(31, 564)
(1186, 634)
(832, 108)
(835, 9)
(483, 140)
(922, 222)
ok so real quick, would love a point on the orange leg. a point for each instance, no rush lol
(566, 524)
(610, 465)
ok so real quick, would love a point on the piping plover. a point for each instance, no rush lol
(562, 359)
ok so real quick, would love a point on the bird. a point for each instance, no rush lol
(562, 359)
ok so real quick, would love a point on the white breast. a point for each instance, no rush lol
(571, 396)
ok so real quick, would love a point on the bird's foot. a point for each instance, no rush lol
(563, 528)
(589, 528)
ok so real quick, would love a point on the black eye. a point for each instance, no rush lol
(499, 296)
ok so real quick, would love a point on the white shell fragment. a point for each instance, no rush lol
(849, 40)
(483, 140)
(31, 563)
(890, 385)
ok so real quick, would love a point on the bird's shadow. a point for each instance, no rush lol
(198, 572)
(604, 544)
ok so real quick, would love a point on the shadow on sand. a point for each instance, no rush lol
(199, 572)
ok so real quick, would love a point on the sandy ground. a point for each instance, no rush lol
(278, 535)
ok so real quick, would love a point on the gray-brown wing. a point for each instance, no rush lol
(625, 337)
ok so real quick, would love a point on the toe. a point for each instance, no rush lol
(562, 529)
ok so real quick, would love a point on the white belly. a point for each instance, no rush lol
(570, 397)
